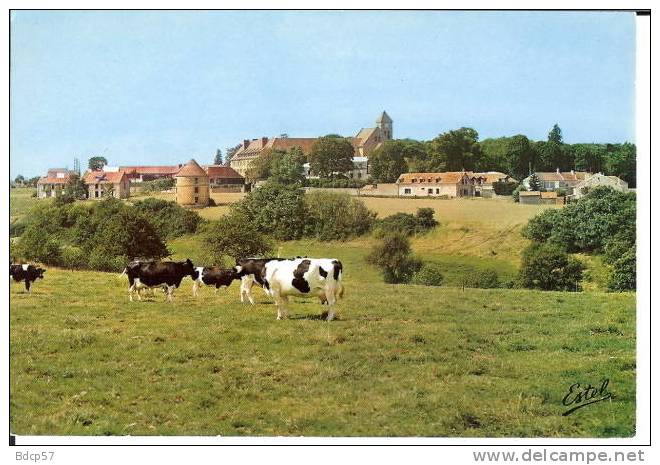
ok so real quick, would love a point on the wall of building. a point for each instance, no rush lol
(192, 191)
(435, 190)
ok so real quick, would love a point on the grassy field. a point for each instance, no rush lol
(21, 201)
(400, 361)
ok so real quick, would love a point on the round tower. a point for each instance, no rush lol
(192, 186)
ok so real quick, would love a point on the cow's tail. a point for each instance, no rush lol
(337, 286)
(123, 272)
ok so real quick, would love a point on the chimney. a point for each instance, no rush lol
(264, 141)
(246, 142)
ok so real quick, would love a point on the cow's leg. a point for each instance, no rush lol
(195, 288)
(27, 285)
(217, 286)
(331, 299)
(170, 290)
(246, 289)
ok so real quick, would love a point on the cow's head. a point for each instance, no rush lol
(189, 269)
(40, 273)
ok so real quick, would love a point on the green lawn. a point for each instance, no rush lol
(401, 361)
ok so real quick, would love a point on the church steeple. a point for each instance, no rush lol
(384, 122)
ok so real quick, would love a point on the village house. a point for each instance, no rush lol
(52, 185)
(485, 181)
(554, 180)
(450, 184)
(538, 198)
(109, 182)
(149, 173)
(365, 142)
(598, 179)
(224, 179)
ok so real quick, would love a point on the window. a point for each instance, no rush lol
(196, 180)
(422, 180)
(414, 180)
(406, 190)
(196, 190)
(437, 191)
(196, 199)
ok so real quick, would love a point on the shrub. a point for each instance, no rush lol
(275, 209)
(169, 218)
(234, 236)
(17, 228)
(335, 215)
(430, 274)
(393, 256)
(73, 258)
(485, 279)
(34, 245)
(547, 266)
(624, 274)
(407, 223)
(516, 192)
(504, 188)
(540, 227)
(337, 183)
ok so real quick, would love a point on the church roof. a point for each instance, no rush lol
(384, 118)
(190, 169)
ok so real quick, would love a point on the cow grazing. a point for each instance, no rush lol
(320, 277)
(27, 273)
(149, 274)
(214, 276)
(251, 271)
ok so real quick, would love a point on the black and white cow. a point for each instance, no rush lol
(319, 277)
(149, 274)
(214, 276)
(251, 271)
(26, 272)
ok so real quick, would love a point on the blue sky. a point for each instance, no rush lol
(162, 87)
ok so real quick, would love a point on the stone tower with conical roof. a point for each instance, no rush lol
(192, 185)
(384, 122)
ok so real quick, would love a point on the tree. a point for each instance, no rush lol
(547, 266)
(331, 155)
(388, 161)
(19, 180)
(230, 152)
(287, 167)
(336, 216)
(455, 150)
(534, 183)
(275, 209)
(519, 156)
(75, 188)
(233, 237)
(97, 163)
(622, 162)
(494, 155)
(555, 135)
(394, 258)
(218, 157)
(260, 168)
(589, 157)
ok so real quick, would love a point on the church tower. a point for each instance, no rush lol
(384, 122)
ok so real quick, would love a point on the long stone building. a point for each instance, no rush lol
(365, 142)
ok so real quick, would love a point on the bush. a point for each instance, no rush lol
(17, 228)
(485, 279)
(393, 257)
(540, 227)
(275, 209)
(234, 236)
(516, 192)
(34, 245)
(547, 266)
(336, 215)
(624, 274)
(407, 223)
(504, 188)
(73, 258)
(430, 274)
(169, 218)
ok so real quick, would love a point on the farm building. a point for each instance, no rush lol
(450, 184)
(192, 185)
(559, 180)
(599, 179)
(224, 179)
(484, 186)
(149, 173)
(530, 197)
(365, 142)
(53, 183)
(537, 197)
(106, 183)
